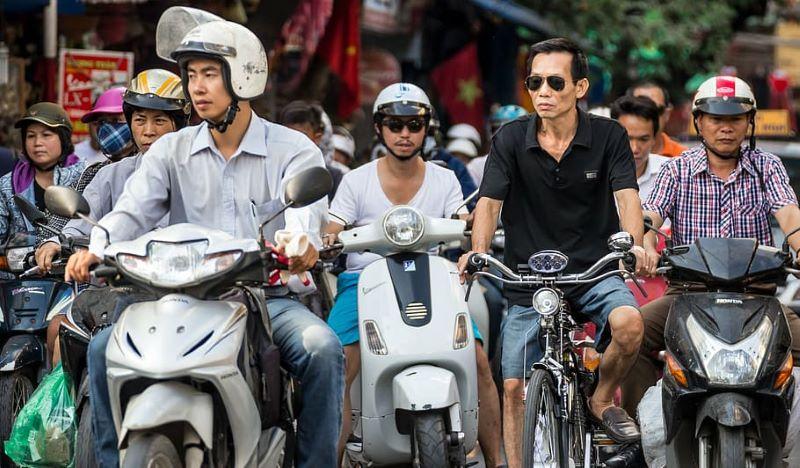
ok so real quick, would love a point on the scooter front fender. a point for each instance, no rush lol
(169, 402)
(424, 387)
(727, 409)
(20, 351)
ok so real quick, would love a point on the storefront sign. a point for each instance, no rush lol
(84, 75)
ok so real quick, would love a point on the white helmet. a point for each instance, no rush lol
(463, 146)
(243, 58)
(402, 99)
(465, 131)
(724, 95)
(344, 144)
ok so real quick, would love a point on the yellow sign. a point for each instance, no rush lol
(769, 123)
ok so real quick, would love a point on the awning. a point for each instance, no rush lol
(517, 14)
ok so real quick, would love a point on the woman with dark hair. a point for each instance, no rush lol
(47, 159)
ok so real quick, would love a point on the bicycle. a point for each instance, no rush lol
(557, 432)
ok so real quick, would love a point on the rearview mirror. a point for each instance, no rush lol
(307, 187)
(66, 202)
(33, 214)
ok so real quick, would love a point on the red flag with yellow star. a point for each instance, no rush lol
(458, 81)
(340, 48)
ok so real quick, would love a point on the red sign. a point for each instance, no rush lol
(84, 75)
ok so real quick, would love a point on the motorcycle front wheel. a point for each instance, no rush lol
(15, 390)
(430, 441)
(728, 448)
(152, 451)
(541, 444)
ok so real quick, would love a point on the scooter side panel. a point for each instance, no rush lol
(407, 346)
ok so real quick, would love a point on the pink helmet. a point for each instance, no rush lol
(110, 102)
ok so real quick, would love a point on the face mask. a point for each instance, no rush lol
(113, 137)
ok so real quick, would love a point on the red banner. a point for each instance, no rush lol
(458, 81)
(84, 75)
(340, 48)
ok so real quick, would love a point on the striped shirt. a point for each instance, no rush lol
(700, 204)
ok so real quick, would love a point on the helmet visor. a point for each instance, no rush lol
(724, 106)
(151, 101)
(404, 109)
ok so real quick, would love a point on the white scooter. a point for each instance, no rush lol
(190, 381)
(418, 386)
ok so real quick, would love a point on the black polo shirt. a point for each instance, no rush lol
(567, 206)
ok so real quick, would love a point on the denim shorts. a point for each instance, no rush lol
(521, 346)
(343, 318)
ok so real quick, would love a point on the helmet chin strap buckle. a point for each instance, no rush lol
(228, 120)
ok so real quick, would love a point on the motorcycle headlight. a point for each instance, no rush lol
(172, 265)
(730, 364)
(16, 258)
(546, 301)
(403, 226)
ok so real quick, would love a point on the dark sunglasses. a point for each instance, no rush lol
(396, 125)
(556, 83)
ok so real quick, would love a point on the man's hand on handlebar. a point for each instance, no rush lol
(646, 261)
(464, 273)
(45, 255)
(78, 266)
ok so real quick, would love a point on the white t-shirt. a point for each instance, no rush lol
(647, 182)
(476, 167)
(360, 200)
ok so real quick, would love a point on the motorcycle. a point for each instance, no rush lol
(416, 400)
(27, 304)
(194, 377)
(727, 385)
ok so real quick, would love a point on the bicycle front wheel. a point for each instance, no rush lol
(541, 437)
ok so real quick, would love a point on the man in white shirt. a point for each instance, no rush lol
(639, 116)
(402, 114)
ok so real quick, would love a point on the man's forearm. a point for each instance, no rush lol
(484, 223)
(789, 219)
(631, 219)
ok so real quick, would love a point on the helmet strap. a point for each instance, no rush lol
(228, 120)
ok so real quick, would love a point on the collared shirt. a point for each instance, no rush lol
(565, 205)
(700, 204)
(647, 181)
(669, 147)
(185, 175)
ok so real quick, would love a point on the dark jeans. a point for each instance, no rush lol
(309, 350)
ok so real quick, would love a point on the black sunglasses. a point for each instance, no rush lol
(396, 125)
(556, 83)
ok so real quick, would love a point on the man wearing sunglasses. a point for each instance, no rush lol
(401, 116)
(566, 181)
(664, 145)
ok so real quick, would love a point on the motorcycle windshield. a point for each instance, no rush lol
(727, 260)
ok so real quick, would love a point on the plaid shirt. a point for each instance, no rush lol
(700, 204)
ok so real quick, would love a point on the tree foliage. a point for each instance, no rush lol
(669, 41)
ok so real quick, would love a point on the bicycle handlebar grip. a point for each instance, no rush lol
(629, 261)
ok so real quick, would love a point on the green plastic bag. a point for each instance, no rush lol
(44, 432)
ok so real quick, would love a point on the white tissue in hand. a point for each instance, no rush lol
(294, 244)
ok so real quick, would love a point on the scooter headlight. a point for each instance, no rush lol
(403, 226)
(730, 364)
(546, 301)
(173, 265)
(16, 258)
